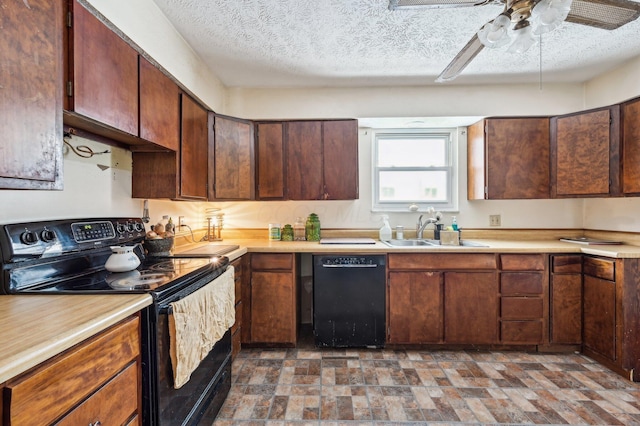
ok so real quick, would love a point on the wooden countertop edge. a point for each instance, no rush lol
(39, 329)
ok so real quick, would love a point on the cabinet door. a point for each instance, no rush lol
(31, 95)
(508, 158)
(304, 160)
(631, 147)
(232, 166)
(586, 145)
(194, 149)
(599, 332)
(415, 307)
(159, 107)
(270, 167)
(471, 307)
(340, 159)
(105, 73)
(566, 308)
(272, 307)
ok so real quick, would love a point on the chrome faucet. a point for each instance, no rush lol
(420, 225)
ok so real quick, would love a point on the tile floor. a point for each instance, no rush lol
(386, 387)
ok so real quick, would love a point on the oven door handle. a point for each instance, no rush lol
(165, 310)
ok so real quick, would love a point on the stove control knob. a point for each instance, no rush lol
(130, 227)
(47, 235)
(121, 228)
(29, 237)
(138, 226)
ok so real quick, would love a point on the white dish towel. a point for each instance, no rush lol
(197, 322)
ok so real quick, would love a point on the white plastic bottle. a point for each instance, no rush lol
(385, 231)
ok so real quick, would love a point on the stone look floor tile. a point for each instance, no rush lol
(378, 387)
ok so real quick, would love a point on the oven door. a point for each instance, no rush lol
(198, 400)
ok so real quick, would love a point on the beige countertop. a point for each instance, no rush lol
(36, 328)
(492, 246)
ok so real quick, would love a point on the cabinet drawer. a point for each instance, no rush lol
(521, 332)
(55, 387)
(514, 283)
(600, 268)
(567, 264)
(456, 262)
(271, 261)
(522, 262)
(522, 308)
(113, 404)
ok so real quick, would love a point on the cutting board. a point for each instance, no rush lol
(347, 241)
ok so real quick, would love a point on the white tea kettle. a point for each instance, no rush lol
(122, 259)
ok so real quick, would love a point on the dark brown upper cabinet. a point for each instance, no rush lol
(270, 173)
(194, 150)
(508, 158)
(31, 95)
(159, 107)
(322, 160)
(630, 117)
(103, 80)
(182, 174)
(585, 154)
(231, 159)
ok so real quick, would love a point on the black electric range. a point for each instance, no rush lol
(68, 257)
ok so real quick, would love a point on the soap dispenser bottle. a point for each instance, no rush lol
(385, 231)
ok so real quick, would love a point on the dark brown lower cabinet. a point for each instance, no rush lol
(471, 307)
(274, 298)
(600, 316)
(415, 307)
(566, 299)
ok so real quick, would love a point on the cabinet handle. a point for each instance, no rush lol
(97, 423)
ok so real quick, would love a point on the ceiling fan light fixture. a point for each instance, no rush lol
(495, 34)
(547, 15)
(523, 37)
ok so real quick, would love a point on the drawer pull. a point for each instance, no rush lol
(97, 423)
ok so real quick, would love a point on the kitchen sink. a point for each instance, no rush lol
(408, 243)
(429, 243)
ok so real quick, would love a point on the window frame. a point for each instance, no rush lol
(451, 137)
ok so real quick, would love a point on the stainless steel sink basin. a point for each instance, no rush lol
(408, 243)
(430, 243)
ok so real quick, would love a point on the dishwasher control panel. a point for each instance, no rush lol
(351, 261)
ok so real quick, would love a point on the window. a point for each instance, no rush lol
(414, 166)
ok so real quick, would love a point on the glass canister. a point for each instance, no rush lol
(287, 233)
(312, 228)
(299, 230)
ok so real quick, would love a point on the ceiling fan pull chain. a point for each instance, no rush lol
(540, 71)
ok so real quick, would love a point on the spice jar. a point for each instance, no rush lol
(312, 228)
(287, 233)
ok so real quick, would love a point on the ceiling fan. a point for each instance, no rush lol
(521, 20)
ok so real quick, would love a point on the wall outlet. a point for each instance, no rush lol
(181, 222)
(494, 220)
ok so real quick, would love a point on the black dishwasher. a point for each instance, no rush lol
(349, 301)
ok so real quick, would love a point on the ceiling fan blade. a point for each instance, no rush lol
(462, 59)
(605, 14)
(435, 4)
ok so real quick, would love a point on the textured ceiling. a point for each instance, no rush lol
(319, 43)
